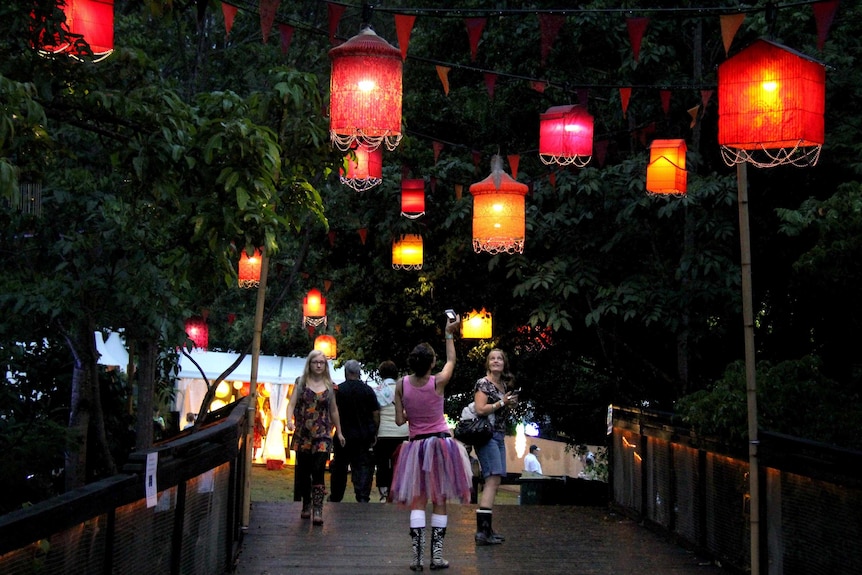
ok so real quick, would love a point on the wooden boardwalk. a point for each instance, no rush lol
(373, 539)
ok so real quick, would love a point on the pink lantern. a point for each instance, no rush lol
(566, 136)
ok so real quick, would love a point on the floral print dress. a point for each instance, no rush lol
(313, 432)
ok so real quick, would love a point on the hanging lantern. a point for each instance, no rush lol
(413, 198)
(566, 136)
(249, 269)
(314, 308)
(498, 212)
(666, 170)
(364, 168)
(198, 331)
(365, 93)
(91, 20)
(771, 102)
(223, 390)
(326, 344)
(407, 252)
(477, 325)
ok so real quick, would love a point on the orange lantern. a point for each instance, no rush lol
(249, 269)
(198, 331)
(413, 198)
(771, 100)
(498, 212)
(477, 325)
(666, 170)
(407, 252)
(314, 308)
(91, 20)
(364, 168)
(566, 136)
(365, 93)
(326, 343)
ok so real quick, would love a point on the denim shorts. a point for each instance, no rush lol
(492, 456)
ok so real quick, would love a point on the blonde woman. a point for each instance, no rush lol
(311, 415)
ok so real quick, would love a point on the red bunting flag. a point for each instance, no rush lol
(665, 101)
(514, 161)
(283, 327)
(438, 147)
(267, 9)
(552, 178)
(334, 12)
(331, 239)
(693, 112)
(625, 95)
(477, 157)
(443, 74)
(824, 12)
(490, 83)
(286, 32)
(363, 234)
(229, 14)
(326, 285)
(637, 27)
(550, 25)
(705, 96)
(404, 27)
(231, 317)
(538, 86)
(310, 331)
(474, 32)
(730, 23)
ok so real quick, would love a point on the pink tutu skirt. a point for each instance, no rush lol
(436, 469)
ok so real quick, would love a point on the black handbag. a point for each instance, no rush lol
(476, 432)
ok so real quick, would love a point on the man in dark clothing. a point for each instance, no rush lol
(359, 412)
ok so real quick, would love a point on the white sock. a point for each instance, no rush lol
(417, 518)
(439, 520)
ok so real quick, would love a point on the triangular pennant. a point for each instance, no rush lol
(334, 12)
(267, 9)
(205, 313)
(438, 147)
(824, 12)
(443, 73)
(286, 33)
(363, 234)
(550, 25)
(514, 161)
(310, 331)
(231, 317)
(665, 101)
(693, 112)
(331, 238)
(283, 327)
(636, 26)
(459, 191)
(229, 14)
(730, 23)
(625, 95)
(326, 285)
(538, 86)
(705, 96)
(490, 83)
(477, 157)
(552, 178)
(404, 27)
(474, 32)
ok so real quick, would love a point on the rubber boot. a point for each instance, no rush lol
(417, 534)
(317, 493)
(484, 535)
(306, 508)
(437, 561)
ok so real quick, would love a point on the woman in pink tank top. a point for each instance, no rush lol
(432, 465)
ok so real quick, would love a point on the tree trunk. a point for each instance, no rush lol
(146, 376)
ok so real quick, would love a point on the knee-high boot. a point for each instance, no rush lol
(417, 534)
(317, 493)
(437, 561)
(306, 508)
(484, 533)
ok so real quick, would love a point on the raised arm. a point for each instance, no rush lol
(445, 374)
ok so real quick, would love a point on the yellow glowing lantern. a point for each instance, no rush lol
(222, 390)
(666, 170)
(407, 252)
(326, 344)
(314, 308)
(477, 325)
(249, 269)
(498, 212)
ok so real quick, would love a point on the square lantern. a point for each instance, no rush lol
(249, 269)
(327, 345)
(198, 331)
(93, 20)
(477, 325)
(499, 219)
(666, 170)
(364, 168)
(771, 100)
(365, 93)
(314, 308)
(566, 136)
(413, 198)
(407, 252)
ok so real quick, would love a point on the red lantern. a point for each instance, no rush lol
(365, 93)
(566, 136)
(93, 20)
(198, 331)
(314, 308)
(412, 198)
(249, 269)
(771, 100)
(498, 212)
(326, 343)
(364, 168)
(407, 252)
(666, 170)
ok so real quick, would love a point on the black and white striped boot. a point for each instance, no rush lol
(417, 534)
(437, 561)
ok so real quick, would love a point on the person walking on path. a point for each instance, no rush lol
(390, 435)
(493, 394)
(360, 417)
(432, 465)
(312, 412)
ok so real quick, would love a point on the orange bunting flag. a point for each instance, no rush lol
(550, 25)
(490, 83)
(693, 112)
(665, 101)
(443, 73)
(474, 32)
(636, 27)
(404, 27)
(267, 9)
(229, 14)
(363, 234)
(438, 147)
(824, 12)
(538, 86)
(459, 191)
(286, 32)
(334, 12)
(514, 161)
(730, 23)
(326, 285)
(331, 239)
(625, 95)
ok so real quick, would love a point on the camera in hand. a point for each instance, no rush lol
(450, 313)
